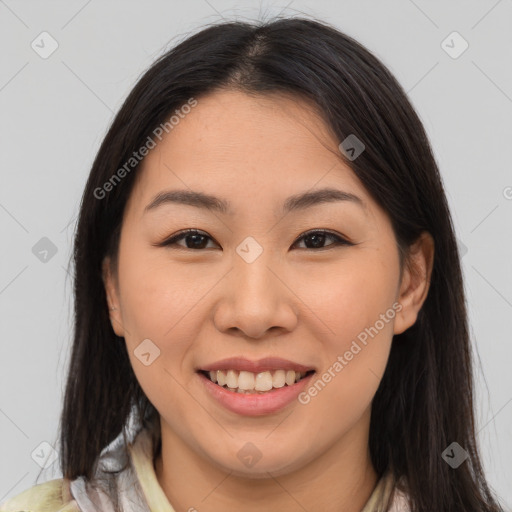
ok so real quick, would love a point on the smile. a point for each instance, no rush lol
(251, 383)
(252, 402)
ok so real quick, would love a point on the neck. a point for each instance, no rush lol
(340, 478)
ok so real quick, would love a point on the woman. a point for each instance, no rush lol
(269, 307)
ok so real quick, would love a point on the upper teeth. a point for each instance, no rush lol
(247, 381)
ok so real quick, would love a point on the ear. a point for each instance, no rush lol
(112, 293)
(415, 282)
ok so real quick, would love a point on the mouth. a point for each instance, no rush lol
(250, 383)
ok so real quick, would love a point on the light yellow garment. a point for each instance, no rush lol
(55, 495)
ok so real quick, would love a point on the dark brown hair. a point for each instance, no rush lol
(425, 398)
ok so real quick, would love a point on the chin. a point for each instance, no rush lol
(262, 463)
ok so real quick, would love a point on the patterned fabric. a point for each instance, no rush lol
(137, 488)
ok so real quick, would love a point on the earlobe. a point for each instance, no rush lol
(112, 297)
(415, 282)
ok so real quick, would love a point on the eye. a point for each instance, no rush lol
(194, 239)
(318, 237)
(197, 240)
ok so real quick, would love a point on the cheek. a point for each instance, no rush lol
(159, 296)
(355, 361)
(160, 303)
(353, 307)
(349, 295)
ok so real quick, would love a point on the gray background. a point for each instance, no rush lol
(55, 112)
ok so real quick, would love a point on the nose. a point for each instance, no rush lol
(256, 299)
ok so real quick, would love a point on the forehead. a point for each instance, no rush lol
(232, 123)
(245, 147)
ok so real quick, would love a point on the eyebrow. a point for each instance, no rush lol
(212, 203)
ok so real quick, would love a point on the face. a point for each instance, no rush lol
(316, 284)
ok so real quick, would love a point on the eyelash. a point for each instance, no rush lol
(339, 241)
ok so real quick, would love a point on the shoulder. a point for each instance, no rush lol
(51, 496)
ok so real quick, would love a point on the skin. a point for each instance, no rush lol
(297, 302)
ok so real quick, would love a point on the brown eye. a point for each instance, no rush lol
(194, 240)
(317, 239)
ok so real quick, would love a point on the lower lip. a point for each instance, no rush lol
(254, 404)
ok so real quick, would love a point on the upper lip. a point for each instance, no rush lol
(262, 365)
